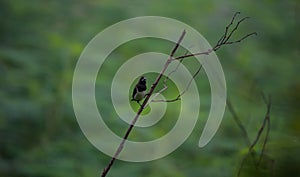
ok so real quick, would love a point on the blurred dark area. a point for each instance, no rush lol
(41, 42)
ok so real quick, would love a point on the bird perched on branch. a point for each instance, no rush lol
(139, 91)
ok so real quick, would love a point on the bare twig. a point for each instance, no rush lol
(167, 78)
(176, 68)
(243, 130)
(184, 91)
(238, 122)
(266, 123)
(266, 119)
(190, 82)
(121, 146)
(194, 54)
(225, 38)
(165, 87)
(227, 27)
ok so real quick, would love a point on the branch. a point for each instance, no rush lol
(238, 122)
(266, 122)
(165, 87)
(243, 130)
(167, 78)
(225, 38)
(121, 146)
(184, 91)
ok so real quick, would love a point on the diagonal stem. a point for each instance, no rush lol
(121, 146)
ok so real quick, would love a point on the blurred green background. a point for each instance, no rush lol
(41, 42)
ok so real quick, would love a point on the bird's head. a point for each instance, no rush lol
(142, 80)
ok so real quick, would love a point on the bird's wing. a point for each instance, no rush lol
(134, 92)
(141, 87)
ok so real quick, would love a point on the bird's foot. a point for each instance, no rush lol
(147, 94)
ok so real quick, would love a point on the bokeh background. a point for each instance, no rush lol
(41, 42)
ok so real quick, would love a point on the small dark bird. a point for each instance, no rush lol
(139, 91)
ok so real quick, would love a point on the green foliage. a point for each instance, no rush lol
(42, 40)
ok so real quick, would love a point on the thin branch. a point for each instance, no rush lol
(266, 123)
(224, 39)
(194, 54)
(221, 40)
(241, 39)
(242, 165)
(267, 117)
(190, 82)
(176, 68)
(165, 87)
(121, 146)
(238, 122)
(243, 130)
(234, 29)
(168, 76)
(184, 91)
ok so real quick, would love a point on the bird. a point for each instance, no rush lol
(139, 91)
